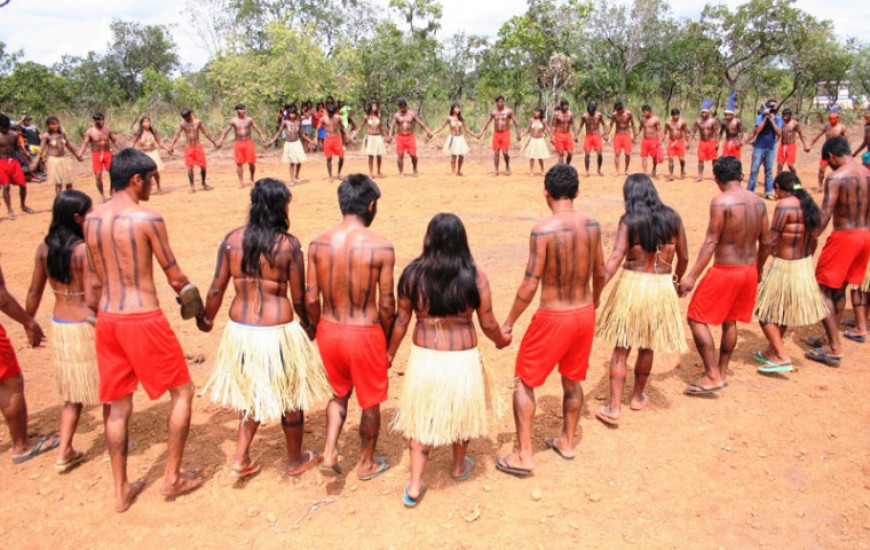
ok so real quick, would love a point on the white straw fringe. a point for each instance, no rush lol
(75, 361)
(789, 295)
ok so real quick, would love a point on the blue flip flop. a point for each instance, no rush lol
(383, 466)
(469, 467)
(42, 446)
(412, 502)
(860, 338)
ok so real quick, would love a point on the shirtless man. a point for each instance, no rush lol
(708, 146)
(592, 120)
(194, 154)
(622, 118)
(11, 172)
(651, 145)
(134, 340)
(787, 154)
(865, 144)
(100, 138)
(563, 133)
(832, 128)
(244, 150)
(732, 129)
(565, 255)
(738, 225)
(406, 141)
(847, 251)
(676, 132)
(333, 146)
(350, 268)
(501, 133)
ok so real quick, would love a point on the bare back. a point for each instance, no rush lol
(738, 218)
(8, 143)
(789, 238)
(846, 197)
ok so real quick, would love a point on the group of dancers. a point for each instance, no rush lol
(109, 333)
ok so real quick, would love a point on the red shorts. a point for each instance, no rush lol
(8, 362)
(622, 143)
(677, 148)
(194, 155)
(708, 150)
(501, 141)
(134, 348)
(406, 143)
(333, 146)
(844, 258)
(11, 172)
(245, 152)
(649, 147)
(731, 149)
(726, 293)
(564, 142)
(593, 142)
(355, 356)
(562, 337)
(787, 153)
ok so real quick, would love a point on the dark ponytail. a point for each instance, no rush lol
(788, 181)
(267, 222)
(65, 233)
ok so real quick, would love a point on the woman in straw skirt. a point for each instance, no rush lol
(59, 169)
(266, 367)
(643, 311)
(788, 295)
(455, 145)
(447, 387)
(373, 144)
(149, 142)
(535, 147)
(294, 153)
(61, 260)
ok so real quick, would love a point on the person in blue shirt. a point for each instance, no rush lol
(768, 127)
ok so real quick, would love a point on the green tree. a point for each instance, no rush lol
(135, 47)
(34, 88)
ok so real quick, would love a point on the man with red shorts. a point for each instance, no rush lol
(406, 142)
(622, 118)
(791, 131)
(676, 131)
(194, 154)
(501, 133)
(832, 128)
(134, 341)
(12, 402)
(846, 253)
(101, 138)
(243, 149)
(566, 255)
(563, 132)
(732, 129)
(708, 146)
(593, 121)
(651, 146)
(726, 294)
(11, 172)
(350, 300)
(333, 146)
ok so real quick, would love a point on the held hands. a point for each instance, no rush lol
(685, 286)
(204, 324)
(35, 336)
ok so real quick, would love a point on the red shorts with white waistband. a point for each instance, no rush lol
(556, 337)
(101, 161)
(355, 357)
(787, 153)
(726, 293)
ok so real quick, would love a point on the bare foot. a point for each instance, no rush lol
(12, 215)
(600, 173)
(416, 175)
(507, 172)
(191, 190)
(608, 416)
(28, 210)
(130, 496)
(206, 187)
(669, 178)
(460, 175)
(698, 179)
(186, 482)
(587, 174)
(379, 175)
(638, 404)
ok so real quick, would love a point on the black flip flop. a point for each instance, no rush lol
(42, 446)
(697, 389)
(819, 355)
(860, 338)
(814, 342)
(502, 465)
(551, 444)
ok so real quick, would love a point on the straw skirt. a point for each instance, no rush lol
(535, 148)
(155, 156)
(59, 170)
(293, 152)
(264, 371)
(445, 397)
(643, 311)
(789, 295)
(456, 146)
(865, 284)
(374, 146)
(75, 361)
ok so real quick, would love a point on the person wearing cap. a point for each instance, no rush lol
(194, 154)
(708, 146)
(100, 138)
(31, 136)
(832, 128)
(244, 150)
(768, 127)
(732, 129)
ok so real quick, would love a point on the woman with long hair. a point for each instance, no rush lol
(643, 311)
(788, 295)
(373, 144)
(62, 262)
(266, 367)
(52, 148)
(535, 148)
(447, 387)
(149, 142)
(456, 146)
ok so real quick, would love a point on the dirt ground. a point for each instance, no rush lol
(773, 461)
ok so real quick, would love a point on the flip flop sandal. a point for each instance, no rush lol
(469, 467)
(383, 466)
(821, 356)
(42, 446)
(607, 418)
(551, 444)
(767, 366)
(412, 502)
(315, 459)
(697, 389)
(330, 471)
(814, 342)
(70, 464)
(252, 470)
(860, 338)
(190, 301)
(501, 464)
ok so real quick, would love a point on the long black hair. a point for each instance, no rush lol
(142, 128)
(267, 223)
(65, 233)
(459, 114)
(788, 181)
(650, 222)
(444, 278)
